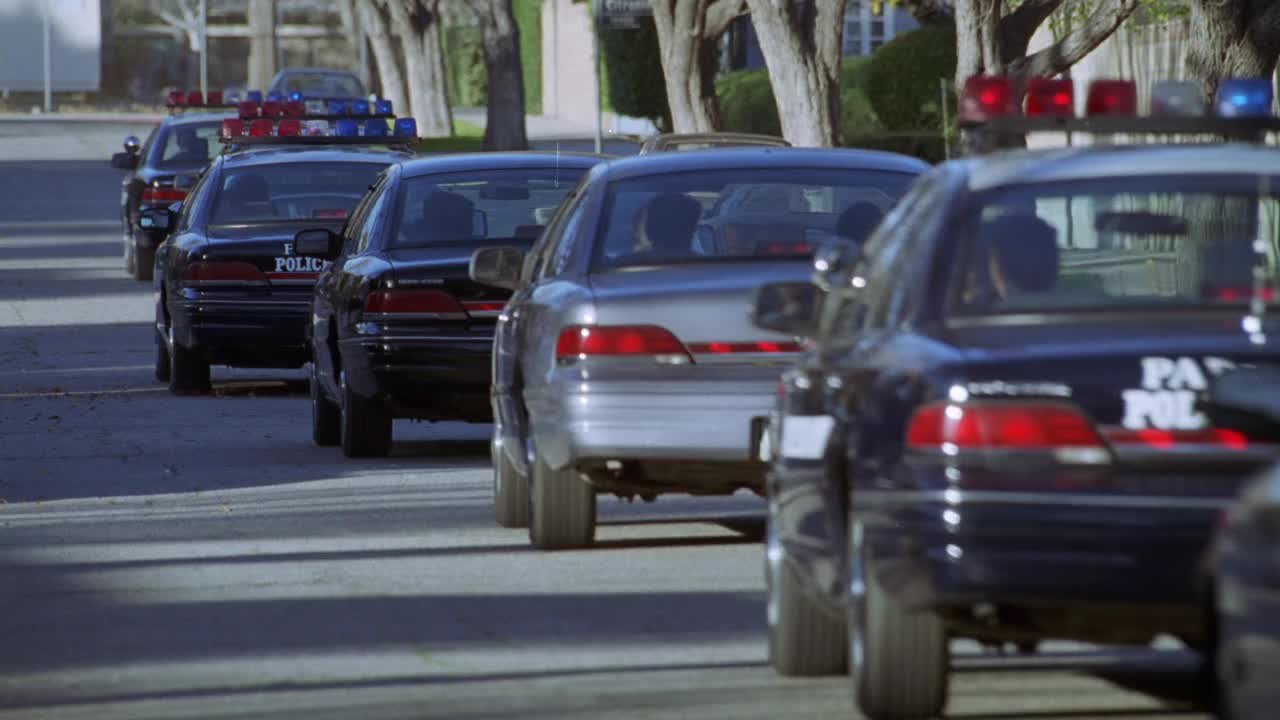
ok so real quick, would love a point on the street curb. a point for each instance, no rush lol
(83, 118)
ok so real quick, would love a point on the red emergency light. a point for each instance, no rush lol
(262, 127)
(249, 109)
(985, 97)
(272, 108)
(232, 129)
(289, 127)
(1050, 97)
(295, 108)
(1112, 97)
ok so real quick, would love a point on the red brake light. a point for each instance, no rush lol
(985, 97)
(235, 272)
(232, 129)
(215, 97)
(262, 127)
(272, 108)
(1168, 439)
(1050, 97)
(289, 127)
(249, 109)
(579, 340)
(726, 348)
(294, 108)
(1001, 426)
(436, 304)
(1112, 97)
(195, 98)
(177, 98)
(163, 195)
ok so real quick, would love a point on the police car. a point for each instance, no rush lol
(995, 433)
(163, 168)
(229, 287)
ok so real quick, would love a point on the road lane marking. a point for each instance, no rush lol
(76, 393)
(44, 371)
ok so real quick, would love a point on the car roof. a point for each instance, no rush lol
(201, 118)
(463, 162)
(1092, 162)
(675, 138)
(314, 71)
(271, 155)
(760, 157)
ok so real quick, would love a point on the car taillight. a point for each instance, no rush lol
(726, 348)
(434, 304)
(619, 340)
(1055, 428)
(212, 272)
(163, 195)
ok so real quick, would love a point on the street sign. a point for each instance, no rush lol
(617, 14)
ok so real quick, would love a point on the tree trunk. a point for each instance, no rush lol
(978, 39)
(1232, 38)
(417, 25)
(262, 44)
(504, 116)
(682, 41)
(800, 40)
(373, 23)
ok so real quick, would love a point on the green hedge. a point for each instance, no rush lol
(632, 74)
(905, 75)
(464, 60)
(747, 104)
(529, 20)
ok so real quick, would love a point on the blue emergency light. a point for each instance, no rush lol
(383, 107)
(295, 96)
(346, 127)
(1245, 97)
(375, 128)
(336, 107)
(275, 96)
(254, 96)
(406, 127)
(358, 107)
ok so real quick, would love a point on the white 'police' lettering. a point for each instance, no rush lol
(1167, 399)
(300, 264)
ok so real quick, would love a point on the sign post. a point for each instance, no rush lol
(204, 49)
(48, 61)
(598, 25)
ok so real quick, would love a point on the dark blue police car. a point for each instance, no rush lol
(996, 431)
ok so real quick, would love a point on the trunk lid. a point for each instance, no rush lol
(270, 249)
(445, 267)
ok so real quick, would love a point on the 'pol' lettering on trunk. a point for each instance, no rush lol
(1170, 387)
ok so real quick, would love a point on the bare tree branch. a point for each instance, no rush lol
(1017, 27)
(1060, 56)
(719, 14)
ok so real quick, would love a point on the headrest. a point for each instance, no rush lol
(1027, 249)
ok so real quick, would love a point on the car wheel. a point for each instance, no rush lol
(899, 659)
(365, 424)
(188, 369)
(510, 492)
(562, 508)
(142, 262)
(805, 639)
(326, 418)
(162, 359)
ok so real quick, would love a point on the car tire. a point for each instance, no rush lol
(365, 424)
(188, 370)
(326, 418)
(562, 508)
(805, 639)
(510, 492)
(162, 360)
(142, 263)
(899, 659)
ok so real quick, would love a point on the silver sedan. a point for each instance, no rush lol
(625, 361)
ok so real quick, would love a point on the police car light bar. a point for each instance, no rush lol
(1243, 108)
(181, 100)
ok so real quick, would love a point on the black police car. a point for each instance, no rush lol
(229, 287)
(161, 171)
(995, 434)
(400, 330)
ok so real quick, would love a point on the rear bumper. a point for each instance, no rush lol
(246, 331)
(423, 376)
(703, 421)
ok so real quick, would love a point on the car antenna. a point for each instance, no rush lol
(557, 163)
(1253, 324)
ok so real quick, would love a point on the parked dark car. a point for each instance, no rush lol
(161, 171)
(625, 362)
(230, 288)
(676, 142)
(319, 83)
(994, 433)
(400, 330)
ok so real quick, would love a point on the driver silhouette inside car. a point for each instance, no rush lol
(446, 217)
(192, 149)
(1022, 256)
(247, 196)
(858, 221)
(666, 226)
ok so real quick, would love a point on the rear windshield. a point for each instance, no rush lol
(470, 206)
(291, 191)
(187, 146)
(1118, 243)
(323, 85)
(750, 213)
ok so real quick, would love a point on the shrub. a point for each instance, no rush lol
(633, 73)
(529, 20)
(747, 104)
(904, 76)
(468, 81)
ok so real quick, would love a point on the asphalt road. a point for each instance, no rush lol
(166, 557)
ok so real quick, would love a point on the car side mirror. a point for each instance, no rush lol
(124, 161)
(131, 145)
(1244, 397)
(162, 219)
(323, 244)
(789, 307)
(497, 266)
(834, 262)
